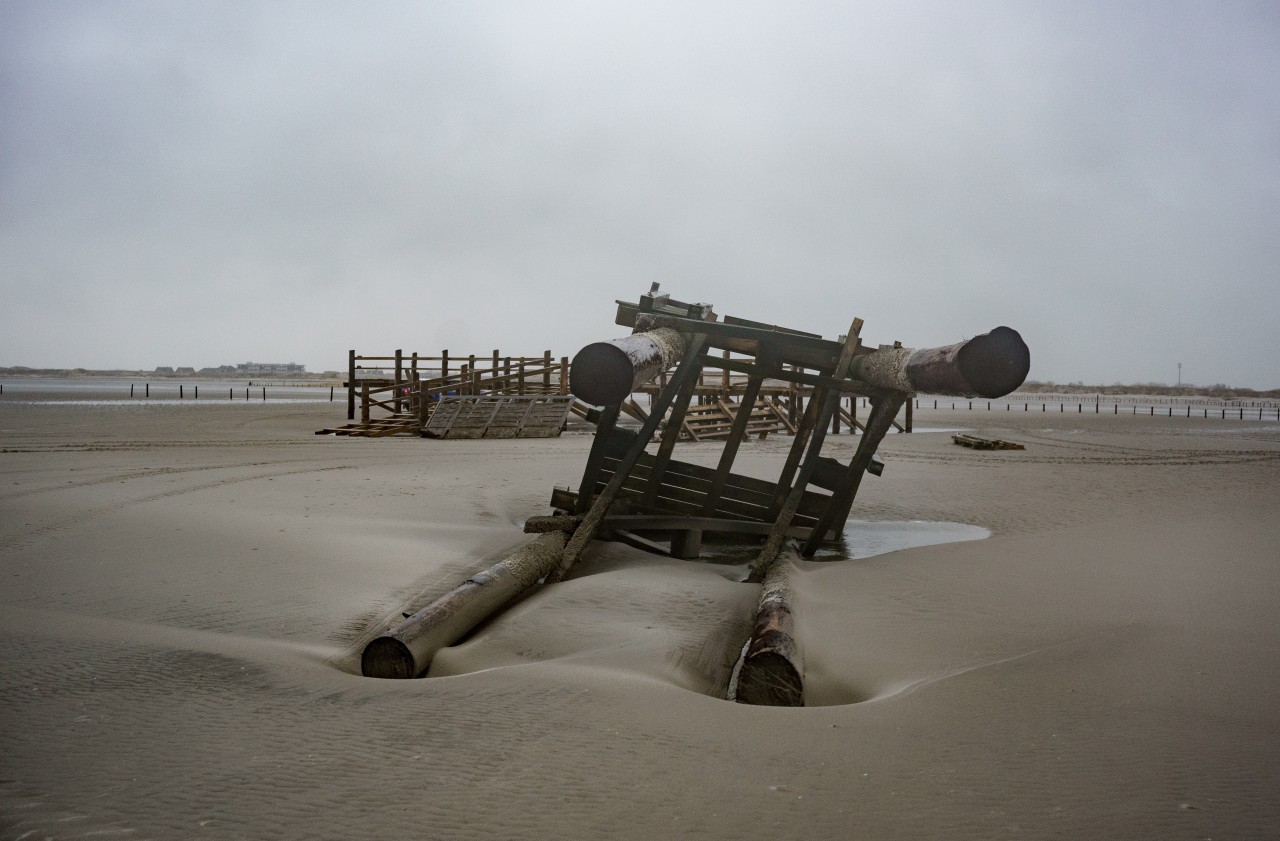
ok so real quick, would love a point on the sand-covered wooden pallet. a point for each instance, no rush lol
(976, 443)
(401, 424)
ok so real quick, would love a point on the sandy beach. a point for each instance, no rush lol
(186, 590)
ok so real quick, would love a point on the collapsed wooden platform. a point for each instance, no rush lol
(499, 416)
(486, 397)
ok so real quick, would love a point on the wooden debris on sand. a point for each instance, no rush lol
(976, 443)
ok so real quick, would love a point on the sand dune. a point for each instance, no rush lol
(186, 591)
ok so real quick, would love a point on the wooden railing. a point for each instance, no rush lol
(416, 381)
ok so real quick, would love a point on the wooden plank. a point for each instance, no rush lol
(977, 443)
(692, 482)
(736, 434)
(547, 416)
(617, 443)
(793, 347)
(676, 419)
(595, 459)
(883, 411)
(830, 400)
(498, 416)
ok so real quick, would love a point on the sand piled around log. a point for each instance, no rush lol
(185, 596)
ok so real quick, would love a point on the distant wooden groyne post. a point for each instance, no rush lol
(351, 385)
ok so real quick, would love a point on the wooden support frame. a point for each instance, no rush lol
(883, 411)
(816, 375)
(642, 480)
(822, 418)
(689, 366)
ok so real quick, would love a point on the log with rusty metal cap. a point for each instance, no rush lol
(991, 365)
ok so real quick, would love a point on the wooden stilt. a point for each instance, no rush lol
(883, 411)
(587, 487)
(829, 401)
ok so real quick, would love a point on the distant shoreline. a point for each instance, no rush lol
(1030, 387)
(85, 373)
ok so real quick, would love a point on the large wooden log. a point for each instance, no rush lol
(991, 365)
(606, 373)
(771, 672)
(405, 651)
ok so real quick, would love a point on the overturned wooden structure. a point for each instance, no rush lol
(444, 396)
(653, 494)
(659, 503)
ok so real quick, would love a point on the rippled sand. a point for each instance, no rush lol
(184, 595)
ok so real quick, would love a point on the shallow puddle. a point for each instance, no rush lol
(866, 538)
(863, 539)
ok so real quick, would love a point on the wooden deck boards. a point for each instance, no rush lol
(499, 416)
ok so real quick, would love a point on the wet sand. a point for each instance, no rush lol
(185, 591)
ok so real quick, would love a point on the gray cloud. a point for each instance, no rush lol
(200, 184)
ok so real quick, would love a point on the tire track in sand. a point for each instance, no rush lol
(26, 538)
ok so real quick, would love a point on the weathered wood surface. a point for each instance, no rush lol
(991, 365)
(405, 651)
(411, 391)
(552, 522)
(715, 421)
(819, 419)
(686, 488)
(607, 373)
(689, 367)
(977, 443)
(376, 428)
(833, 518)
(510, 416)
(771, 671)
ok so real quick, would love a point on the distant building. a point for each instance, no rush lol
(259, 368)
(164, 369)
(186, 370)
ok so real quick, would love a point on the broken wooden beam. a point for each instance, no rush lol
(554, 522)
(771, 671)
(991, 365)
(405, 651)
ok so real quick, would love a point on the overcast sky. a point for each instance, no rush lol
(204, 183)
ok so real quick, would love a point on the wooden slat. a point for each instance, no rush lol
(499, 416)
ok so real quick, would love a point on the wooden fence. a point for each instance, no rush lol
(416, 378)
